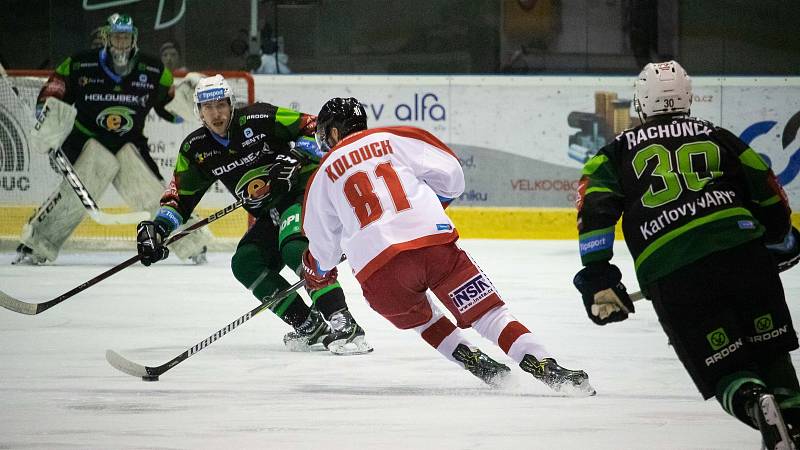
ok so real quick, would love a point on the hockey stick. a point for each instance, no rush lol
(63, 164)
(148, 373)
(8, 302)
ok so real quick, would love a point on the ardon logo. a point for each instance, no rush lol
(763, 323)
(718, 339)
(116, 119)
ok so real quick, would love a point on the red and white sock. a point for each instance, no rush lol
(442, 334)
(502, 328)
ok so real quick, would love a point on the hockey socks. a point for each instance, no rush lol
(502, 328)
(440, 333)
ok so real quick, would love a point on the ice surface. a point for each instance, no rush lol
(247, 391)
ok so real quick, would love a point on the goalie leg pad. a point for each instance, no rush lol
(142, 191)
(58, 217)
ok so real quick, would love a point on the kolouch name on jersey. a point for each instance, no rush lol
(354, 157)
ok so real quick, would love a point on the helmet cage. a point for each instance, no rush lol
(120, 23)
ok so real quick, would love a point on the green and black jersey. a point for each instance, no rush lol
(111, 108)
(257, 135)
(684, 189)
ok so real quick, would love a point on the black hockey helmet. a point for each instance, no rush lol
(345, 114)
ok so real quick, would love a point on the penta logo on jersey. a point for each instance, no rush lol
(116, 119)
(470, 293)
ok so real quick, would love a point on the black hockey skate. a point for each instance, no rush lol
(557, 378)
(481, 365)
(763, 409)
(26, 257)
(311, 332)
(346, 336)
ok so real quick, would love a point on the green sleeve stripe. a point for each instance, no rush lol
(770, 201)
(286, 117)
(751, 159)
(663, 240)
(182, 164)
(63, 68)
(166, 78)
(599, 189)
(596, 232)
(187, 191)
(593, 164)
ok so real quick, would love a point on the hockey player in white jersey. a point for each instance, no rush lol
(378, 197)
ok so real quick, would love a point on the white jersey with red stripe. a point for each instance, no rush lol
(377, 193)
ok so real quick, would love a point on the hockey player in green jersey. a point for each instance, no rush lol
(709, 229)
(264, 155)
(112, 90)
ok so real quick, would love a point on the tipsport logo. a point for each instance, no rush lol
(788, 137)
(14, 153)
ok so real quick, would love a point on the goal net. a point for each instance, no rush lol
(28, 178)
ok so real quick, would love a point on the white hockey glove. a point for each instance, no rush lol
(183, 102)
(54, 125)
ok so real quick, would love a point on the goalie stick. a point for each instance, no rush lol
(63, 164)
(13, 304)
(149, 373)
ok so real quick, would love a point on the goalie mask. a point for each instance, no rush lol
(119, 38)
(662, 88)
(211, 89)
(345, 114)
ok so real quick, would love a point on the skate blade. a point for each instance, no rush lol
(301, 345)
(357, 346)
(769, 408)
(581, 390)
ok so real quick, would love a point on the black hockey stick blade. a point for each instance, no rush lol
(19, 306)
(149, 373)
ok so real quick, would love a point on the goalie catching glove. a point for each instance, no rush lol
(150, 238)
(604, 296)
(54, 125)
(315, 277)
(787, 252)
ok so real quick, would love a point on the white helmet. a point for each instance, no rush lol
(662, 88)
(210, 89)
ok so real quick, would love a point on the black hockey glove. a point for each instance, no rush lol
(283, 175)
(150, 238)
(787, 252)
(604, 296)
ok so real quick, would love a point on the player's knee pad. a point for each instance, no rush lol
(63, 211)
(292, 252)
